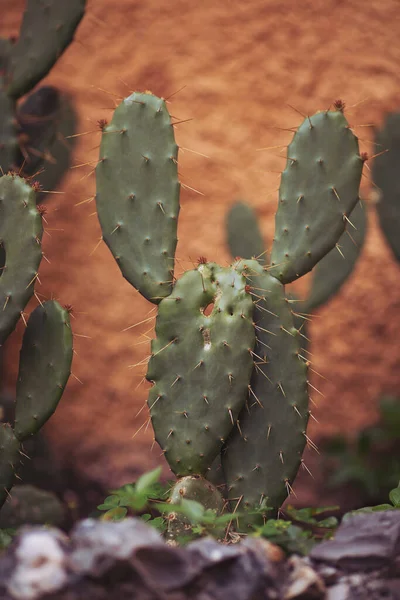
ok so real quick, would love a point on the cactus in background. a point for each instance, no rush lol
(385, 173)
(226, 364)
(46, 353)
(30, 506)
(29, 134)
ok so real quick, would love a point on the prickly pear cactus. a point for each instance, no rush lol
(226, 363)
(46, 353)
(200, 365)
(28, 133)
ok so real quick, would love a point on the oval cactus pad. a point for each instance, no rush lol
(319, 189)
(44, 367)
(21, 233)
(137, 193)
(200, 365)
(262, 455)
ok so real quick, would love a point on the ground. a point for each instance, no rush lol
(236, 70)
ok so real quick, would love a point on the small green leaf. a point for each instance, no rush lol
(115, 514)
(159, 524)
(193, 510)
(394, 497)
(109, 502)
(146, 518)
(146, 481)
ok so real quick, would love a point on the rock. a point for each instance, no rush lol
(364, 542)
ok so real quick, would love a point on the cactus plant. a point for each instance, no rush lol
(46, 353)
(226, 364)
(29, 132)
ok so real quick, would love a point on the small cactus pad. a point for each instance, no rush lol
(48, 27)
(8, 136)
(9, 460)
(28, 505)
(191, 488)
(333, 270)
(200, 365)
(386, 175)
(20, 237)
(137, 193)
(243, 233)
(263, 453)
(44, 368)
(319, 189)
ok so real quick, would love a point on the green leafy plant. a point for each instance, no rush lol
(229, 378)
(30, 132)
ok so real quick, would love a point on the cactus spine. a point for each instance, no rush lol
(226, 365)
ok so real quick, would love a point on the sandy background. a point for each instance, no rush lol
(234, 67)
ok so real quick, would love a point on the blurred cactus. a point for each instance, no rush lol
(33, 133)
(228, 374)
(386, 176)
(30, 506)
(46, 353)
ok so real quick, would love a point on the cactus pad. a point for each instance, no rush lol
(48, 26)
(45, 365)
(200, 365)
(28, 505)
(191, 488)
(319, 189)
(137, 193)
(385, 173)
(262, 455)
(9, 453)
(244, 235)
(333, 270)
(8, 139)
(20, 237)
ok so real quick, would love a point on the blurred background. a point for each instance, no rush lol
(237, 75)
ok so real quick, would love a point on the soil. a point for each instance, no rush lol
(235, 69)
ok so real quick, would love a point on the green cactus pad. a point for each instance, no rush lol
(9, 453)
(191, 488)
(20, 237)
(243, 233)
(28, 505)
(48, 27)
(138, 193)
(8, 137)
(385, 173)
(262, 455)
(200, 365)
(319, 188)
(44, 368)
(334, 269)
